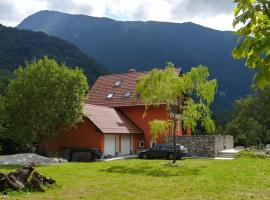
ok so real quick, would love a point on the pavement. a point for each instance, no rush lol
(222, 158)
(230, 151)
(120, 158)
(228, 154)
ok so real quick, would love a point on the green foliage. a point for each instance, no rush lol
(253, 18)
(250, 119)
(44, 99)
(188, 95)
(2, 114)
(159, 128)
(20, 46)
(4, 80)
(252, 154)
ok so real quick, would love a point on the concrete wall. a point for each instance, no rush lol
(223, 142)
(205, 145)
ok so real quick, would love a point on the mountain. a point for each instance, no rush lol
(20, 46)
(121, 45)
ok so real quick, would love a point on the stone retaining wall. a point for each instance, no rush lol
(205, 145)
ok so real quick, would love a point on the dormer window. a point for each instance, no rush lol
(127, 94)
(109, 96)
(117, 83)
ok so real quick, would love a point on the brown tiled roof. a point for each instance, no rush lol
(105, 85)
(109, 120)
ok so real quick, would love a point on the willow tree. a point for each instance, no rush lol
(187, 98)
(252, 18)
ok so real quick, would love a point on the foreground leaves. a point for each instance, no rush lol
(252, 18)
(43, 100)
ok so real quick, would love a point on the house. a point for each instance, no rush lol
(115, 119)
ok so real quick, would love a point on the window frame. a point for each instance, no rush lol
(109, 96)
(127, 92)
(117, 83)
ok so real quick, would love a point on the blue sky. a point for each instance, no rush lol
(217, 14)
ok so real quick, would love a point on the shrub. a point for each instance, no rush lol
(252, 154)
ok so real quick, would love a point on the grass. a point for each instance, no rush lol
(243, 178)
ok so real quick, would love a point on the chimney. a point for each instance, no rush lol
(131, 70)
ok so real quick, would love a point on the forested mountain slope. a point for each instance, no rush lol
(20, 46)
(120, 45)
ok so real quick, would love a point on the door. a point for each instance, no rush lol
(125, 144)
(109, 145)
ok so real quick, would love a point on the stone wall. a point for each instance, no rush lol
(205, 145)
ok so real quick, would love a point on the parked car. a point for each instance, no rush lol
(80, 154)
(164, 151)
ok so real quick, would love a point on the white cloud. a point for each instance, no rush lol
(211, 13)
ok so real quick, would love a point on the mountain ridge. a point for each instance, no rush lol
(121, 45)
(20, 46)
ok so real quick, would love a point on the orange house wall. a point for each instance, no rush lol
(135, 114)
(136, 140)
(84, 135)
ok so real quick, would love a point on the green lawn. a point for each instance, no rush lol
(243, 178)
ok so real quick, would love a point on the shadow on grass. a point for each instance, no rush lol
(156, 171)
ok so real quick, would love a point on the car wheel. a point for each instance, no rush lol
(144, 156)
(170, 156)
(93, 157)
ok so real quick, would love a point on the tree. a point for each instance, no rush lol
(44, 99)
(187, 98)
(2, 114)
(250, 123)
(4, 80)
(253, 18)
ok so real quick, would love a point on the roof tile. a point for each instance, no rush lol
(110, 120)
(106, 85)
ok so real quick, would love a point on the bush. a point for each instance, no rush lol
(252, 154)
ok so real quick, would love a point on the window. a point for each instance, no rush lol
(153, 143)
(109, 96)
(141, 144)
(127, 94)
(117, 83)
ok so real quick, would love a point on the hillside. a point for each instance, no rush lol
(20, 46)
(143, 45)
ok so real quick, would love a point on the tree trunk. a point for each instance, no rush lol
(174, 138)
(24, 178)
(178, 110)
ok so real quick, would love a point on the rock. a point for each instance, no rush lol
(29, 158)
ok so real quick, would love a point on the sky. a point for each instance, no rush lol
(217, 14)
